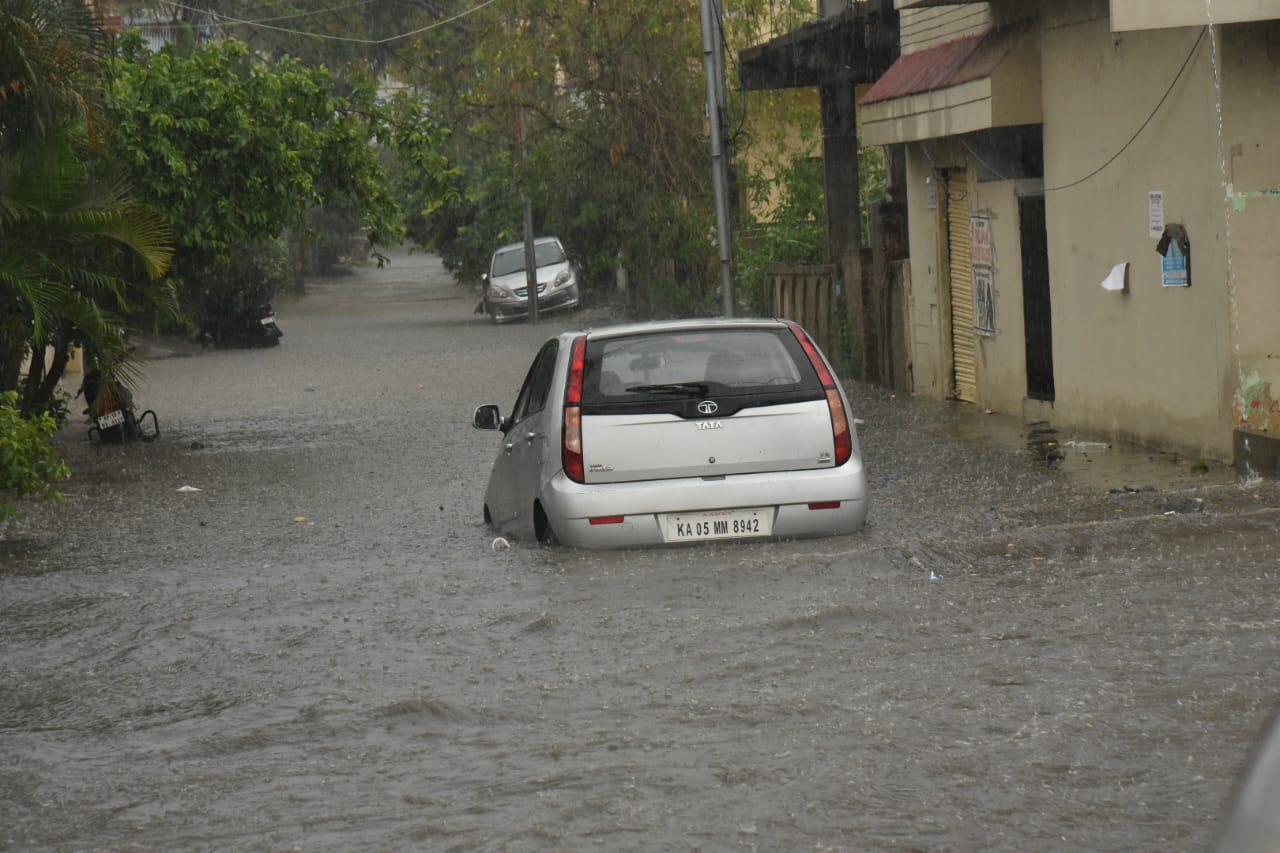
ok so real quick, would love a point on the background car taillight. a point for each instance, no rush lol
(571, 446)
(835, 403)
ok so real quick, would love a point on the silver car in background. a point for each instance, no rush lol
(506, 287)
(683, 431)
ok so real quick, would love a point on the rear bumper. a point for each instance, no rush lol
(570, 506)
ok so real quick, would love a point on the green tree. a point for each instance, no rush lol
(236, 149)
(79, 258)
(615, 157)
(595, 112)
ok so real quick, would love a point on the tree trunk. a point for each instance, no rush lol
(42, 379)
(57, 369)
(296, 242)
(31, 385)
(13, 347)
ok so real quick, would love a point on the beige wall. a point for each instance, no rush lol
(1153, 363)
(926, 305)
(1176, 368)
(1001, 357)
(1251, 141)
(1145, 14)
(1002, 367)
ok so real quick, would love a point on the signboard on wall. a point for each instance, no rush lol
(1175, 250)
(983, 259)
(1155, 214)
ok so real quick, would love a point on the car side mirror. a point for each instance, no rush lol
(488, 417)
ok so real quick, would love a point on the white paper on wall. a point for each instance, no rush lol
(1118, 278)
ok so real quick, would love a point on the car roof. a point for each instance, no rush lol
(687, 325)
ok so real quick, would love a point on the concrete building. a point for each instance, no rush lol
(1093, 196)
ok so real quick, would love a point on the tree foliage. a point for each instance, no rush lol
(596, 112)
(80, 258)
(28, 466)
(235, 149)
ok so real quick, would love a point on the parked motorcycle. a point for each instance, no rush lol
(267, 323)
(113, 416)
(248, 327)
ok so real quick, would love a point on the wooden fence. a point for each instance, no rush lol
(806, 294)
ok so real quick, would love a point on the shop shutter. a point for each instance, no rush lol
(963, 339)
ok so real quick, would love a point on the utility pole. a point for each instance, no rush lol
(530, 256)
(713, 63)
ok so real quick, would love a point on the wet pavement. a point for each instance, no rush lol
(282, 626)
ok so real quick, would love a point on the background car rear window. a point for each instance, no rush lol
(725, 360)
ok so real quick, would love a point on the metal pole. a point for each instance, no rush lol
(713, 63)
(530, 261)
(530, 256)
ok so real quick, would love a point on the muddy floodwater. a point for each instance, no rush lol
(282, 626)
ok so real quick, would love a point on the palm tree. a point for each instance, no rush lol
(78, 257)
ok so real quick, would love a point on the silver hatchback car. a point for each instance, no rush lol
(684, 431)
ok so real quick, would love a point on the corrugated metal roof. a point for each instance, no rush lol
(948, 64)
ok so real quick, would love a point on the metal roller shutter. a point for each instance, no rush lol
(963, 339)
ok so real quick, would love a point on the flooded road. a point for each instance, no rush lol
(319, 649)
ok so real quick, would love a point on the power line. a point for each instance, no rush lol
(260, 25)
(1138, 132)
(295, 15)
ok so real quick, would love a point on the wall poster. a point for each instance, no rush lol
(983, 258)
(1155, 214)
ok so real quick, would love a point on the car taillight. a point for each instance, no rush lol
(835, 403)
(571, 447)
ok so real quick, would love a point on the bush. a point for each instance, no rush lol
(794, 231)
(28, 466)
(218, 292)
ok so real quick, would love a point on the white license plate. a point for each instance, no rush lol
(718, 524)
(111, 419)
(268, 320)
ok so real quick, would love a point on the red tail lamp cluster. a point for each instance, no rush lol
(571, 447)
(839, 418)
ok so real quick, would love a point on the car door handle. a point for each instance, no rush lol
(530, 436)
(508, 447)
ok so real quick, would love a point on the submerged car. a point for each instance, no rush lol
(506, 286)
(1252, 822)
(682, 431)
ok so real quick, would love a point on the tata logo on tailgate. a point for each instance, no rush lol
(709, 425)
(708, 407)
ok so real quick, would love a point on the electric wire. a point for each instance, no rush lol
(324, 36)
(1194, 48)
(296, 15)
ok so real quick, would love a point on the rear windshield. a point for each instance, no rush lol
(651, 371)
(511, 260)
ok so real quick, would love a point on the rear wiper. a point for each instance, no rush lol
(670, 388)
